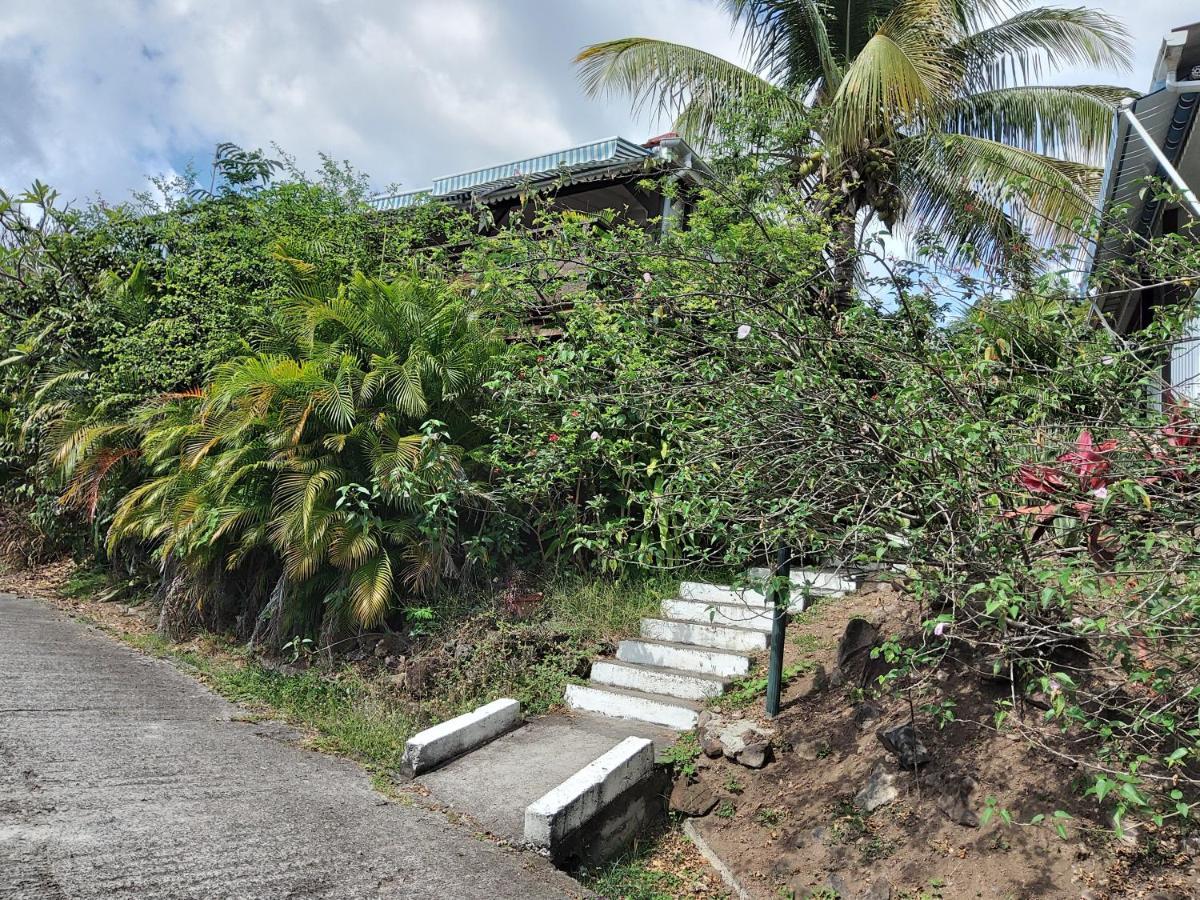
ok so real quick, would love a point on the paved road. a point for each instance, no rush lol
(122, 777)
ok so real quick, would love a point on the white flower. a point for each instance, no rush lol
(940, 628)
(595, 435)
(1107, 360)
(647, 277)
(1100, 493)
(743, 332)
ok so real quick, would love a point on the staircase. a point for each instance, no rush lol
(579, 787)
(703, 639)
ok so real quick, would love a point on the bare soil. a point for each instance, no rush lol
(792, 829)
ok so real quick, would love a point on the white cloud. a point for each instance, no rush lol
(99, 93)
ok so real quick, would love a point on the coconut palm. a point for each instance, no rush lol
(926, 112)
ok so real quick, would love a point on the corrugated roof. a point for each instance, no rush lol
(572, 161)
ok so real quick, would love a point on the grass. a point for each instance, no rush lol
(664, 866)
(607, 607)
(359, 715)
(348, 714)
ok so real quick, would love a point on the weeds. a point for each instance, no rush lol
(747, 691)
(683, 754)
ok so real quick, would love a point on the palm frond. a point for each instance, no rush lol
(1069, 122)
(659, 76)
(1023, 47)
(899, 79)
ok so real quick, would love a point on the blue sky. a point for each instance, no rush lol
(98, 94)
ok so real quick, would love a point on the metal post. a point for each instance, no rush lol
(779, 589)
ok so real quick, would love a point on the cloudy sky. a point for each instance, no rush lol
(97, 94)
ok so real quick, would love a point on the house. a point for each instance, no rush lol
(1154, 137)
(607, 174)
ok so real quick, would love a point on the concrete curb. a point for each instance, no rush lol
(727, 876)
(462, 734)
(585, 794)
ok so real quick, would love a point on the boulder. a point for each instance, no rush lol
(854, 653)
(754, 756)
(692, 798)
(879, 790)
(903, 743)
(953, 793)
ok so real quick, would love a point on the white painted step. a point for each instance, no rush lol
(818, 581)
(657, 680)
(739, 614)
(667, 655)
(621, 703)
(722, 637)
(714, 593)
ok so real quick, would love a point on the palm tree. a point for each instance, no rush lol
(334, 455)
(925, 111)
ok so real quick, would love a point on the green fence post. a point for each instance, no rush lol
(778, 593)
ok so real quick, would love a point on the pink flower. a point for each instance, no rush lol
(553, 438)
(595, 435)
(940, 628)
(1100, 493)
(647, 277)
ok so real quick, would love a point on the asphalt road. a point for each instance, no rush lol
(122, 777)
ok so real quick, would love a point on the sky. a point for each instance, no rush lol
(97, 95)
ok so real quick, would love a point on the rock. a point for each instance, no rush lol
(854, 652)
(879, 790)
(866, 713)
(736, 736)
(692, 798)
(880, 890)
(954, 794)
(754, 756)
(391, 644)
(710, 746)
(902, 741)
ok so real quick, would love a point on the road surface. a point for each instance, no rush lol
(121, 777)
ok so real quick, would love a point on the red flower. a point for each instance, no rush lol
(1088, 460)
(541, 357)
(1181, 431)
(969, 207)
(554, 438)
(1040, 479)
(574, 414)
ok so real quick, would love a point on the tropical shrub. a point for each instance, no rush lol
(330, 467)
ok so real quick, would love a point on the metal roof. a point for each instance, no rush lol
(573, 162)
(1168, 113)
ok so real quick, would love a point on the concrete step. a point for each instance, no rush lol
(657, 680)
(722, 637)
(818, 581)
(622, 703)
(715, 593)
(740, 614)
(690, 658)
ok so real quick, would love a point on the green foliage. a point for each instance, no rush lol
(752, 689)
(338, 448)
(682, 754)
